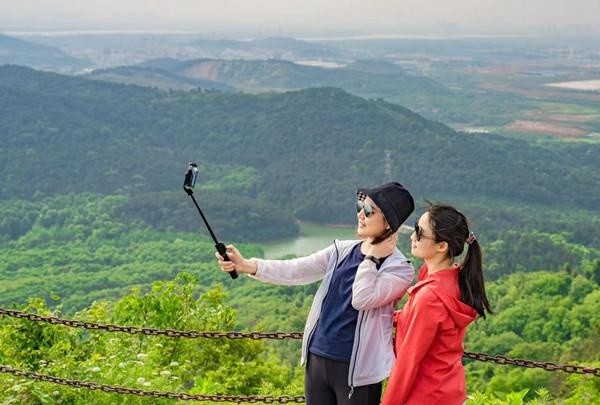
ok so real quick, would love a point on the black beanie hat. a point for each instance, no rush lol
(393, 199)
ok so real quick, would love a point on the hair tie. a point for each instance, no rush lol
(471, 238)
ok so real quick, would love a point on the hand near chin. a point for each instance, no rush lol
(384, 248)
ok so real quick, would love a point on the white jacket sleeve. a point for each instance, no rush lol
(372, 288)
(303, 270)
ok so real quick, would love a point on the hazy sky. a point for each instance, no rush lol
(294, 17)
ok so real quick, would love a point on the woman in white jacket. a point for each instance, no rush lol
(347, 345)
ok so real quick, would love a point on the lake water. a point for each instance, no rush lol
(316, 236)
(312, 238)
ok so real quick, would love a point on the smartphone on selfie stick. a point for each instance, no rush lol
(188, 186)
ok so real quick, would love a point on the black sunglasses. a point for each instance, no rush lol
(419, 232)
(366, 207)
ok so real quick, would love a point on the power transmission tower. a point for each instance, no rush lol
(387, 168)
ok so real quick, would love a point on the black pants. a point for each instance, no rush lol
(326, 383)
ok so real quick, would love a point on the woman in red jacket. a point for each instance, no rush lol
(431, 327)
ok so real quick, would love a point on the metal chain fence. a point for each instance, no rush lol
(545, 365)
(154, 394)
(498, 359)
(149, 331)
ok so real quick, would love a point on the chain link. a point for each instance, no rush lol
(548, 366)
(498, 359)
(150, 331)
(285, 399)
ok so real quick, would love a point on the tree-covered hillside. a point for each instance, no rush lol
(267, 160)
(300, 149)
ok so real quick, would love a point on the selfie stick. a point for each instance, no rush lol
(188, 186)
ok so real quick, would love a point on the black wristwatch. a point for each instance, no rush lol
(374, 259)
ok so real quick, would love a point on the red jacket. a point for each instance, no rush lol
(430, 331)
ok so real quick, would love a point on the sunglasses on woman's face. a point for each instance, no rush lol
(366, 207)
(419, 232)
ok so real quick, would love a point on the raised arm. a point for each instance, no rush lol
(302, 270)
(373, 288)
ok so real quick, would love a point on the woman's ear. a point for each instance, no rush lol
(442, 247)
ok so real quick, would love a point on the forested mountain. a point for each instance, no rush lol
(19, 52)
(101, 137)
(303, 151)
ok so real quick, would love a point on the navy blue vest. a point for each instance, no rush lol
(334, 334)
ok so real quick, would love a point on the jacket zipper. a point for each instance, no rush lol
(353, 365)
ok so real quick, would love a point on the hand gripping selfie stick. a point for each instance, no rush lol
(188, 186)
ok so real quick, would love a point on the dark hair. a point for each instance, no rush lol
(451, 226)
(383, 236)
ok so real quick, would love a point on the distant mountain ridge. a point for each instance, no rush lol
(364, 78)
(18, 52)
(275, 47)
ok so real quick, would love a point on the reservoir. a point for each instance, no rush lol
(312, 238)
(318, 236)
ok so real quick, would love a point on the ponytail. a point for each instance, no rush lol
(470, 280)
(450, 226)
